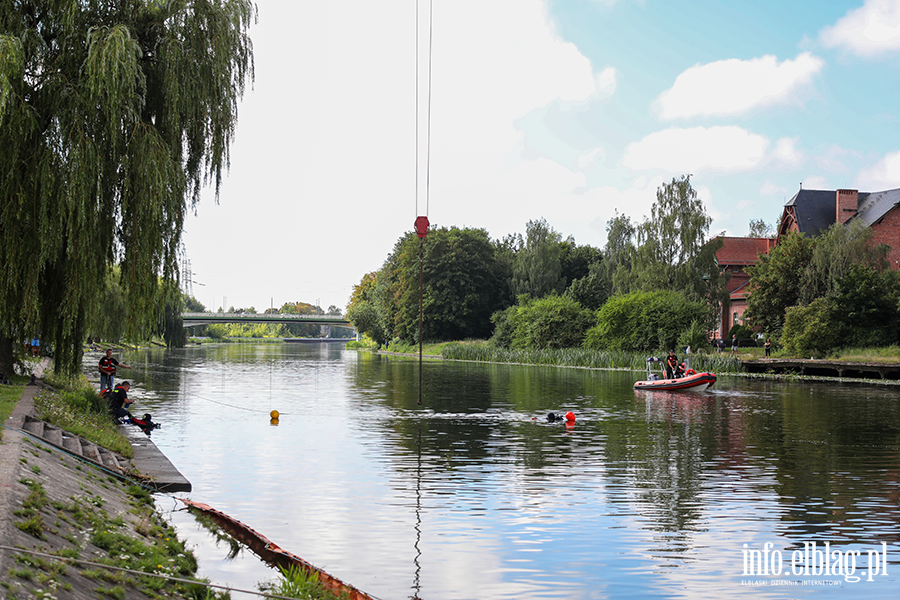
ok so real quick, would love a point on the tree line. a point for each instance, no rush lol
(655, 283)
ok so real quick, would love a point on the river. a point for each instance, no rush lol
(734, 492)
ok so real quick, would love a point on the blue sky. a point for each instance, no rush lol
(569, 110)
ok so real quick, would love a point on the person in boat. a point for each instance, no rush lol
(680, 370)
(118, 401)
(671, 364)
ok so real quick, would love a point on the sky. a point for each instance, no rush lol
(564, 110)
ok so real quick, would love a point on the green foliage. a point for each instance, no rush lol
(592, 290)
(671, 250)
(776, 282)
(537, 268)
(505, 324)
(835, 252)
(82, 412)
(827, 292)
(362, 312)
(811, 330)
(364, 317)
(364, 343)
(299, 583)
(550, 322)
(112, 117)
(760, 229)
(694, 337)
(191, 304)
(576, 261)
(867, 301)
(33, 526)
(739, 331)
(862, 312)
(461, 287)
(579, 357)
(643, 321)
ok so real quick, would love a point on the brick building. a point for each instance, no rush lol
(810, 212)
(813, 211)
(735, 255)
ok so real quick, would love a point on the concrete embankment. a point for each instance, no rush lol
(67, 508)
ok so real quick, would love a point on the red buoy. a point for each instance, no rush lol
(570, 417)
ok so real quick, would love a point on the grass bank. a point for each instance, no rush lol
(76, 407)
(9, 396)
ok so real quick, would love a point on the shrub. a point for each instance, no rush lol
(811, 330)
(551, 322)
(643, 321)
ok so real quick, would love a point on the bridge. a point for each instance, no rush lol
(195, 319)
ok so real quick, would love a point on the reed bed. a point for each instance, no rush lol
(579, 357)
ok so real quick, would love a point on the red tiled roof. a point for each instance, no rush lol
(742, 250)
(740, 293)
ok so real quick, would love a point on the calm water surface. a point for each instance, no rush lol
(474, 495)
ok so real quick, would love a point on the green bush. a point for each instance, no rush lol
(694, 336)
(811, 330)
(861, 312)
(643, 321)
(740, 331)
(551, 322)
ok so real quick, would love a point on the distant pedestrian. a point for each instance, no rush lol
(36, 347)
(734, 345)
(720, 345)
(107, 367)
(768, 347)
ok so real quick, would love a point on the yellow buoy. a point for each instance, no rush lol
(274, 414)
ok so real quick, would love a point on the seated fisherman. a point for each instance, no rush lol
(118, 401)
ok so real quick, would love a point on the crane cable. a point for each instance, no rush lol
(421, 223)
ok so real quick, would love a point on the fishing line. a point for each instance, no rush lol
(174, 388)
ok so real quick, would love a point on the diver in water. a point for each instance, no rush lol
(555, 418)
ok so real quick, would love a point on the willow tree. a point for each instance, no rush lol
(113, 116)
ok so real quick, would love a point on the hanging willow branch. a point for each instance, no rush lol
(113, 116)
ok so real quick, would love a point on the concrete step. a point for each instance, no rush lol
(73, 444)
(53, 434)
(159, 472)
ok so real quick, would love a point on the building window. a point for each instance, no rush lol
(734, 321)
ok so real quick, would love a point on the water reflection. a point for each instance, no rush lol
(475, 495)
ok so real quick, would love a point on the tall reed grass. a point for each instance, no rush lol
(579, 357)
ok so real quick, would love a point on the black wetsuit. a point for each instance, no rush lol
(117, 400)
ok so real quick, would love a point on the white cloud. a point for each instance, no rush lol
(872, 29)
(698, 149)
(589, 159)
(786, 154)
(883, 175)
(815, 182)
(607, 80)
(770, 189)
(345, 159)
(732, 87)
